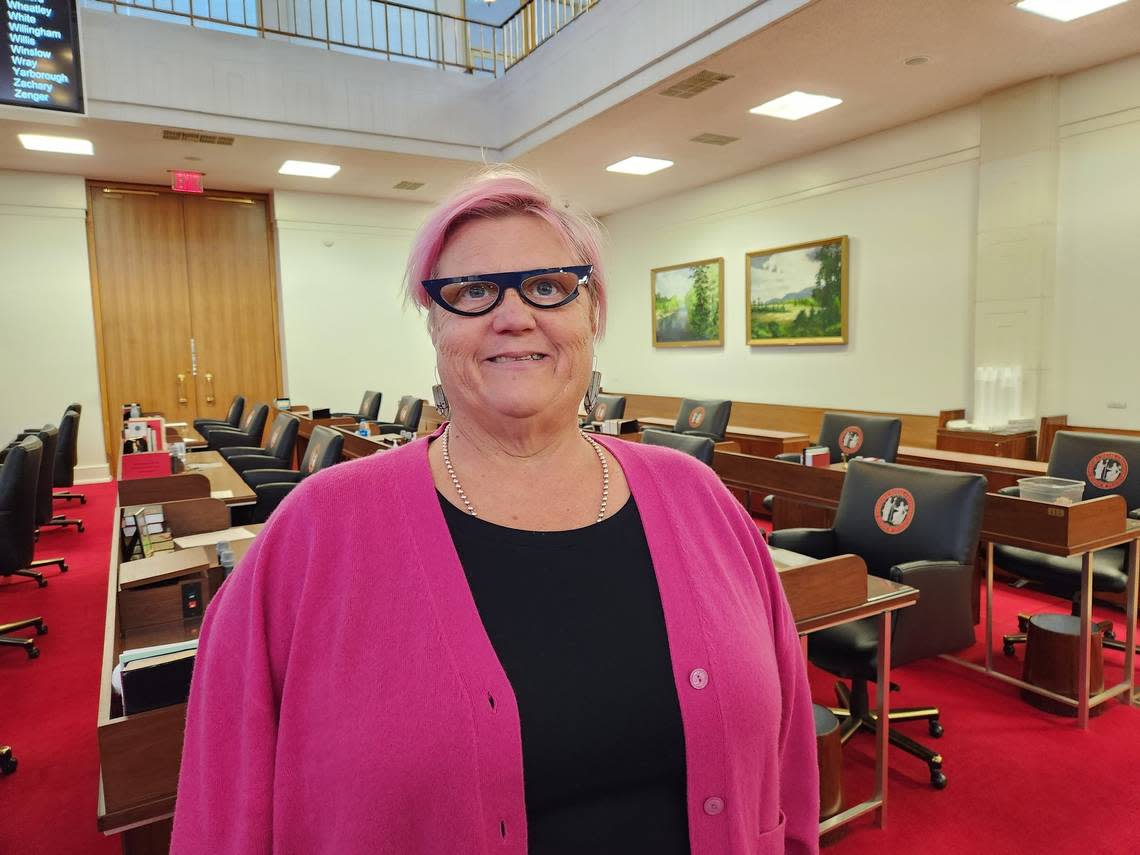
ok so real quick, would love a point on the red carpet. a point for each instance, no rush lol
(1020, 780)
(49, 705)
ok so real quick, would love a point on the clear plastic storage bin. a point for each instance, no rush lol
(1059, 491)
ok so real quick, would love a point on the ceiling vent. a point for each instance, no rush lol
(196, 137)
(714, 139)
(408, 185)
(696, 84)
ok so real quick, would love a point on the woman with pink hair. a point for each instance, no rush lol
(510, 636)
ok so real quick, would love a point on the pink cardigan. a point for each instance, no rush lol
(341, 698)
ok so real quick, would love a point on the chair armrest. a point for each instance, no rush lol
(704, 435)
(244, 462)
(257, 478)
(1134, 514)
(240, 450)
(220, 438)
(356, 416)
(269, 496)
(388, 427)
(942, 620)
(1009, 491)
(789, 456)
(816, 542)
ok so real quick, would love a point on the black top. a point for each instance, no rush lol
(575, 618)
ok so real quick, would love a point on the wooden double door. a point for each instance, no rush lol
(185, 299)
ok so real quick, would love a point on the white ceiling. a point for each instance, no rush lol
(851, 49)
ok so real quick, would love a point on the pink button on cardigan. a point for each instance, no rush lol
(347, 700)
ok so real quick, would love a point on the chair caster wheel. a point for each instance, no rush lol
(63, 568)
(1023, 623)
(935, 728)
(938, 780)
(7, 762)
(80, 527)
(1008, 649)
(83, 500)
(41, 582)
(42, 630)
(33, 653)
(1110, 634)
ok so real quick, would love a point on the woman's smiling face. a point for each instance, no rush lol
(516, 361)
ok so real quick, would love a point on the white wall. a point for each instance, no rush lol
(1098, 276)
(908, 200)
(341, 263)
(47, 327)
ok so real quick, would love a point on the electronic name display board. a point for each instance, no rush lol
(39, 55)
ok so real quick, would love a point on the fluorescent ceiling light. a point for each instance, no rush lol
(59, 145)
(796, 105)
(639, 165)
(1066, 10)
(308, 169)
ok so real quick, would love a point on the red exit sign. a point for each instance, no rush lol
(187, 182)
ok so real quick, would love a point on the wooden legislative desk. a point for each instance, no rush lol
(757, 441)
(917, 430)
(829, 592)
(1021, 445)
(1065, 530)
(139, 755)
(207, 474)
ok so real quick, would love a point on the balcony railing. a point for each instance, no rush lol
(392, 31)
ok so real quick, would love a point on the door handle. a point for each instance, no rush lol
(209, 388)
(182, 399)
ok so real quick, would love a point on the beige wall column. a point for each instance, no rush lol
(1017, 235)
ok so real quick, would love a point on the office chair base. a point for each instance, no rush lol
(63, 522)
(7, 761)
(855, 715)
(70, 497)
(31, 574)
(29, 644)
(50, 562)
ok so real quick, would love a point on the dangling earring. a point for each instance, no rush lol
(593, 389)
(441, 405)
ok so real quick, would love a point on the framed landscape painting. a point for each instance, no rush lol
(798, 294)
(688, 304)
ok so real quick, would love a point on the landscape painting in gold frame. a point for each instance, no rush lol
(688, 304)
(797, 295)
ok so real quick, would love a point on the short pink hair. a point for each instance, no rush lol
(497, 192)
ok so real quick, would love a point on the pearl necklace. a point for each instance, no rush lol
(471, 508)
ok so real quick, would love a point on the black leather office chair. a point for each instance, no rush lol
(19, 477)
(407, 416)
(369, 408)
(700, 447)
(277, 453)
(1109, 465)
(48, 435)
(701, 418)
(914, 526)
(853, 435)
(232, 419)
(67, 454)
(606, 407)
(247, 435)
(273, 485)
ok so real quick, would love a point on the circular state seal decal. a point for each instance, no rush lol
(696, 416)
(1107, 470)
(850, 439)
(894, 511)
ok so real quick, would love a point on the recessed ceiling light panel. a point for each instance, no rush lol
(796, 105)
(1066, 10)
(639, 165)
(308, 169)
(56, 145)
